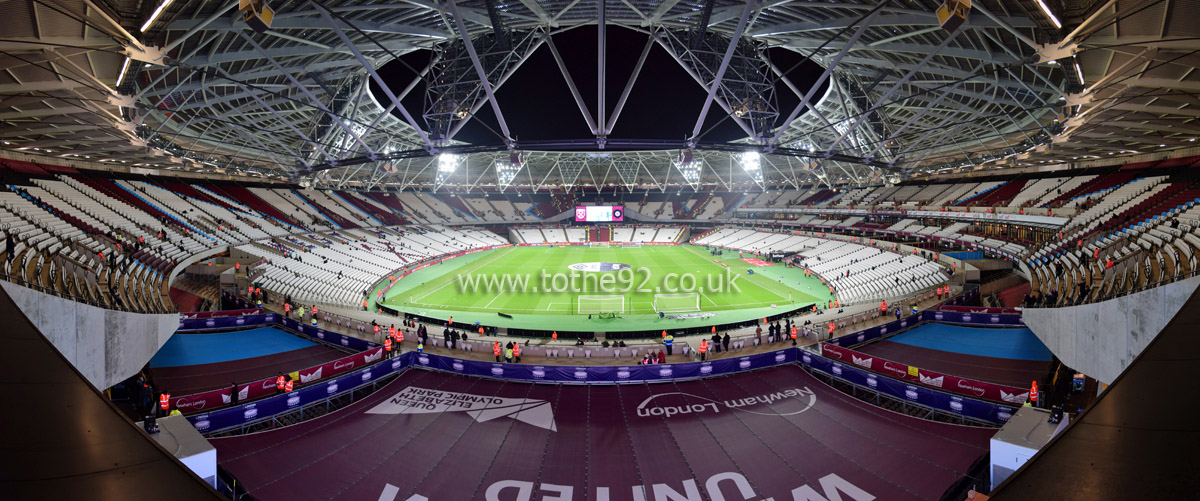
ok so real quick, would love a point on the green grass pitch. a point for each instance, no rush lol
(522, 280)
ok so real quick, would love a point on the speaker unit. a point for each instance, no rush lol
(257, 14)
(953, 13)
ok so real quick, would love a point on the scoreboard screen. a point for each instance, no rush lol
(604, 214)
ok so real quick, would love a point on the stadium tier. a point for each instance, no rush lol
(340, 267)
(857, 273)
(485, 250)
(64, 221)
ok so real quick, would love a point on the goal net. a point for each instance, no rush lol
(601, 304)
(677, 303)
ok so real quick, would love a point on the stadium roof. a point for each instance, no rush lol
(199, 89)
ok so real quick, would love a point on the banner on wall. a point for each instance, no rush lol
(964, 215)
(215, 399)
(945, 402)
(634, 374)
(606, 374)
(253, 411)
(331, 385)
(314, 333)
(944, 382)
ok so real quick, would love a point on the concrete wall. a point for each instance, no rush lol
(106, 346)
(1102, 339)
(200, 256)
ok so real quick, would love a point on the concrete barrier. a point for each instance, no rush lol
(106, 346)
(1102, 339)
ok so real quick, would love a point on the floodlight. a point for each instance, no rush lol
(447, 162)
(750, 160)
(1046, 10)
(155, 14)
(121, 75)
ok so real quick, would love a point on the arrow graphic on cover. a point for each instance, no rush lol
(482, 408)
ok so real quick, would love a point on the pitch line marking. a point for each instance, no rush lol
(473, 267)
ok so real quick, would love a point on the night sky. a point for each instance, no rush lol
(537, 103)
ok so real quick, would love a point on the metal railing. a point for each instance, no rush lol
(874, 397)
(1124, 292)
(37, 286)
(310, 411)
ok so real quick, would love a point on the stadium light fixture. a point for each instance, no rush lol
(750, 160)
(155, 14)
(751, 163)
(689, 166)
(1046, 10)
(1079, 72)
(447, 162)
(121, 75)
(506, 171)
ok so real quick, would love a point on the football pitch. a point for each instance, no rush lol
(631, 283)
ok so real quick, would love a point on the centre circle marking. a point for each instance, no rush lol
(599, 267)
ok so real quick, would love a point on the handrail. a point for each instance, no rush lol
(1141, 288)
(88, 301)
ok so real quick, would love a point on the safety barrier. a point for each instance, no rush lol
(948, 317)
(222, 313)
(979, 309)
(266, 409)
(313, 391)
(633, 374)
(957, 317)
(254, 390)
(315, 333)
(368, 352)
(615, 374)
(952, 404)
(924, 377)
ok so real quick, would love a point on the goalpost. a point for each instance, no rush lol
(677, 303)
(588, 305)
